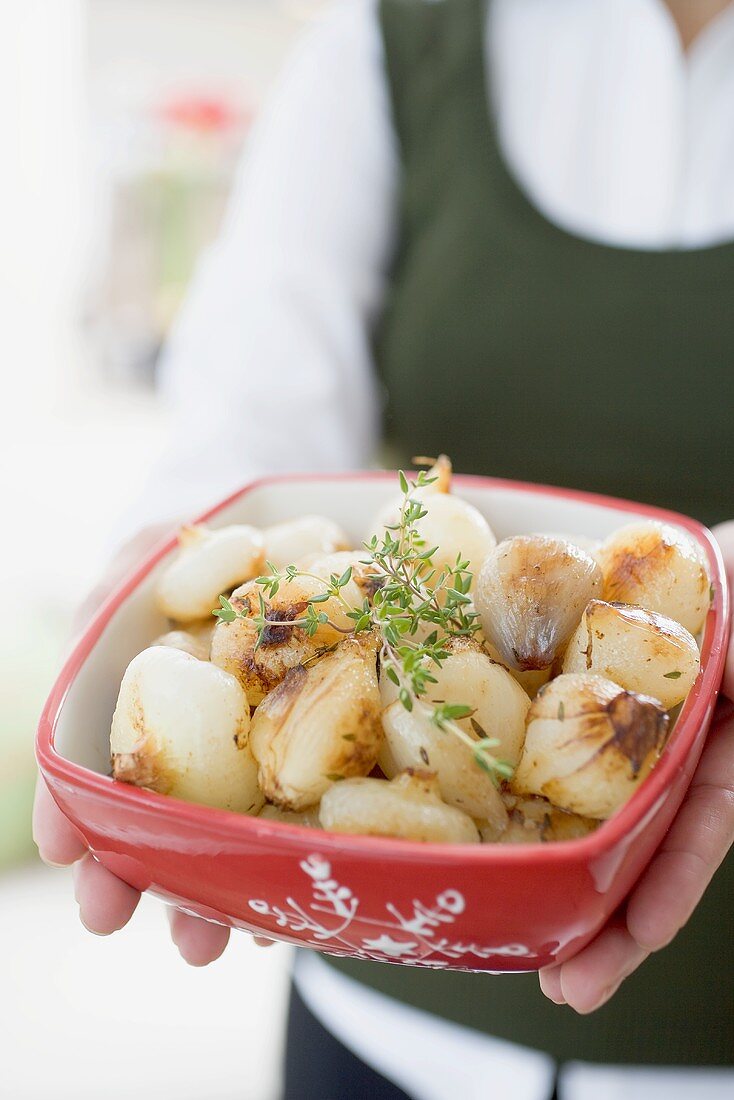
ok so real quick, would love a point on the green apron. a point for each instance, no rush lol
(525, 351)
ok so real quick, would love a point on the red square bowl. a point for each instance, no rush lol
(456, 907)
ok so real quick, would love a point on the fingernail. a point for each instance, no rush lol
(102, 935)
(550, 988)
(172, 930)
(51, 862)
(601, 1000)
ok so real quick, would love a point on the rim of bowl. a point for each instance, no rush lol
(694, 712)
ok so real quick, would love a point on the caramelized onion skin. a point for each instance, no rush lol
(658, 567)
(412, 740)
(409, 808)
(260, 668)
(181, 727)
(589, 744)
(640, 650)
(530, 596)
(320, 726)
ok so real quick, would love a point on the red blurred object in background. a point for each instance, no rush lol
(205, 114)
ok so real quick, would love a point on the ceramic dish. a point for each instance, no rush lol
(469, 907)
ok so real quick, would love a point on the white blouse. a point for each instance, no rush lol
(611, 130)
(614, 133)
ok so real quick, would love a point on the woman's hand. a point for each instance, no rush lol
(673, 884)
(106, 903)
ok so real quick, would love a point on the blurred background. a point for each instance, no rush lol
(123, 121)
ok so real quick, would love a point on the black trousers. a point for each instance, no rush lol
(319, 1067)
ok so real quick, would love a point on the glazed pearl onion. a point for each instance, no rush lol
(409, 807)
(259, 670)
(530, 596)
(309, 819)
(637, 649)
(208, 564)
(452, 525)
(202, 630)
(412, 740)
(180, 727)
(362, 585)
(457, 529)
(531, 682)
(582, 541)
(286, 543)
(536, 820)
(186, 642)
(660, 567)
(589, 744)
(321, 725)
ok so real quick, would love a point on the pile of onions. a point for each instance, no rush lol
(579, 654)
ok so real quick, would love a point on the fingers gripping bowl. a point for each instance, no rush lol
(463, 905)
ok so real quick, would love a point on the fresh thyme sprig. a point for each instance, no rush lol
(415, 611)
(311, 619)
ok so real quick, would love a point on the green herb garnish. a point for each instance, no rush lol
(415, 610)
